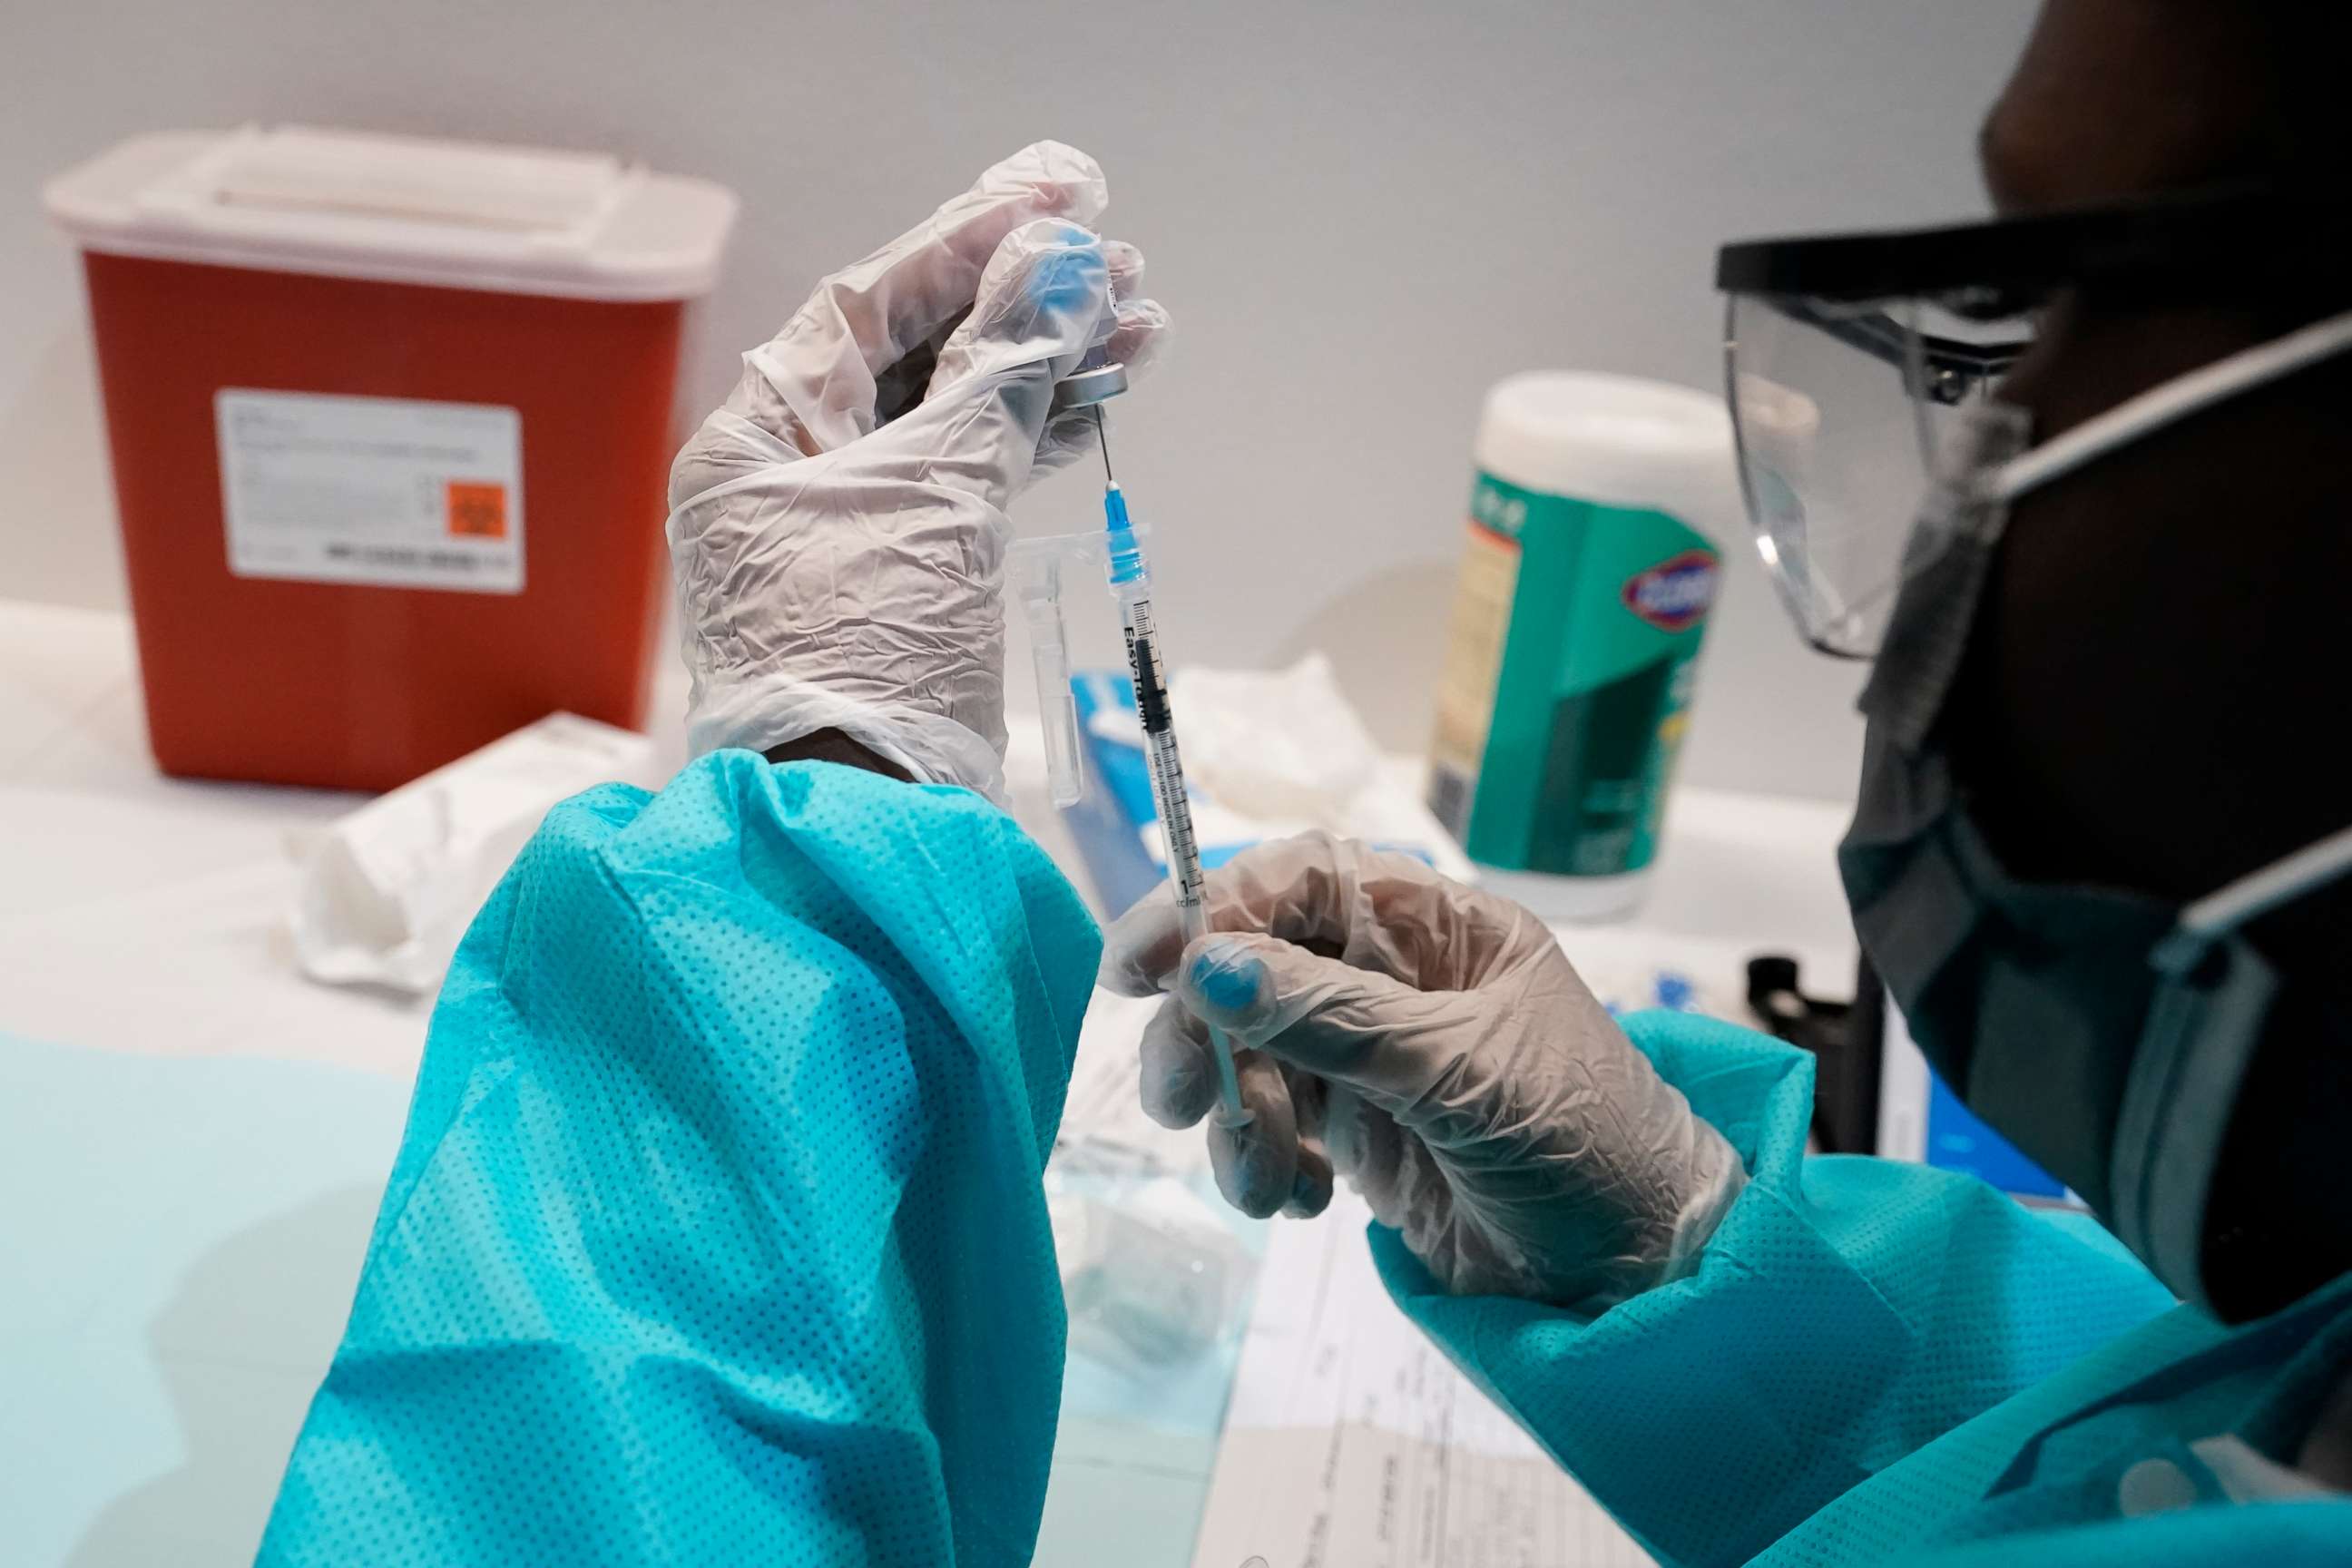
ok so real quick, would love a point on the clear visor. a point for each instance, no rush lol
(1839, 409)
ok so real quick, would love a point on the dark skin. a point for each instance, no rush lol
(2152, 693)
(833, 746)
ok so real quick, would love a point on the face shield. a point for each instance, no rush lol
(1849, 359)
(1839, 408)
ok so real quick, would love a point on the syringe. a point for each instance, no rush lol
(1130, 581)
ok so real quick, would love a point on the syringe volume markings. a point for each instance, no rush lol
(1150, 696)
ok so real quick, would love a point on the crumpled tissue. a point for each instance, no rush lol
(387, 892)
(1282, 751)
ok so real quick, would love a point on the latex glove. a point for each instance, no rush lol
(1432, 1044)
(838, 527)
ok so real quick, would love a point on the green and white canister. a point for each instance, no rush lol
(1570, 658)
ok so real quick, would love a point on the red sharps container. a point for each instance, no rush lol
(391, 422)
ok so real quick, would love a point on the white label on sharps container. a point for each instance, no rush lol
(371, 490)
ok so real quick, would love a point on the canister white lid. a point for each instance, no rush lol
(1614, 440)
(400, 209)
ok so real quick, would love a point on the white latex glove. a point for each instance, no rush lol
(1432, 1044)
(838, 546)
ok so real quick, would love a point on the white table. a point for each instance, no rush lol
(142, 915)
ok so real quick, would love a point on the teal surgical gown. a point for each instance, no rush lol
(1878, 1364)
(716, 1236)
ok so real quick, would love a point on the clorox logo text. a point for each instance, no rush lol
(1674, 595)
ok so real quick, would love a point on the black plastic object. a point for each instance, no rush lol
(1845, 1039)
(1992, 270)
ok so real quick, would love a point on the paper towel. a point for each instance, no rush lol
(388, 891)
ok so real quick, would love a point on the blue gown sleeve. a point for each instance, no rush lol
(717, 1232)
(1846, 1311)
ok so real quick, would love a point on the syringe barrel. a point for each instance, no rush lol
(1175, 810)
(1192, 919)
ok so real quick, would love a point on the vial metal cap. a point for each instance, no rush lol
(1084, 388)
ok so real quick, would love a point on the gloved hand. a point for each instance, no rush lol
(1432, 1044)
(838, 529)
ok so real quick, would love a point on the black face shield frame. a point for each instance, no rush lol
(1846, 358)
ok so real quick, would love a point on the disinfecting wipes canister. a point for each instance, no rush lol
(1586, 581)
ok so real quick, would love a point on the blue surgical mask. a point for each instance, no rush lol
(2106, 1032)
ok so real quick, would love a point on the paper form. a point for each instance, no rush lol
(1351, 1442)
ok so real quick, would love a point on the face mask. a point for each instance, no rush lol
(2105, 1032)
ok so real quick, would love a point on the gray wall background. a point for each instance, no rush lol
(1361, 214)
